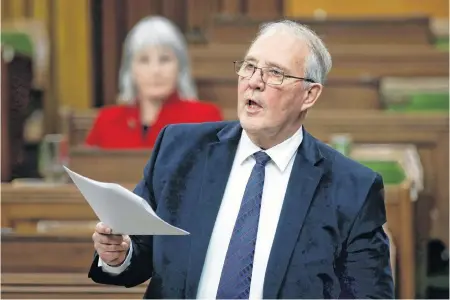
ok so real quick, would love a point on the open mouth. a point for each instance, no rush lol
(252, 104)
(252, 107)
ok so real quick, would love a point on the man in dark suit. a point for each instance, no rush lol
(272, 212)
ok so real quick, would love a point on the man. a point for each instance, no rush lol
(272, 212)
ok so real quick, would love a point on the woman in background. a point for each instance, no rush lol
(156, 89)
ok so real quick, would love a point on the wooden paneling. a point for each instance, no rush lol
(360, 9)
(72, 52)
(42, 10)
(14, 8)
(176, 11)
(340, 94)
(198, 17)
(229, 8)
(6, 164)
(413, 30)
(110, 59)
(138, 9)
(348, 60)
(264, 9)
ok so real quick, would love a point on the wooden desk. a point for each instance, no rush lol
(42, 253)
(62, 286)
(27, 209)
(400, 218)
(123, 166)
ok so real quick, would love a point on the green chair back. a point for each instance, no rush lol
(426, 102)
(442, 44)
(19, 41)
(391, 171)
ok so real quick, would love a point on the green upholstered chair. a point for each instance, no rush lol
(391, 171)
(20, 42)
(422, 102)
(442, 44)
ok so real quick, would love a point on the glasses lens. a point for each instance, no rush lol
(242, 68)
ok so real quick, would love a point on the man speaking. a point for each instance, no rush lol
(272, 212)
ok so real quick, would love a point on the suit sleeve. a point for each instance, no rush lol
(366, 260)
(141, 264)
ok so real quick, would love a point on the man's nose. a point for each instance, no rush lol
(256, 81)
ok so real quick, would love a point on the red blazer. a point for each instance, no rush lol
(119, 126)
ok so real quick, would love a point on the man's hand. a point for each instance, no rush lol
(112, 249)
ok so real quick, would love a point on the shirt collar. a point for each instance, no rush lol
(280, 154)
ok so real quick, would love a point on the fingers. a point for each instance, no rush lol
(111, 248)
(107, 239)
(102, 228)
(113, 258)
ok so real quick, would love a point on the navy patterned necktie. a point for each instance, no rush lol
(237, 269)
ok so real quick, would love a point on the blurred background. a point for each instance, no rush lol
(385, 104)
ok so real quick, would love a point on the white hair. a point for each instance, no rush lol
(149, 31)
(318, 62)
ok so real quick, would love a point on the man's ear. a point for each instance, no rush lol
(313, 93)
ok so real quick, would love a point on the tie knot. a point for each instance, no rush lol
(261, 158)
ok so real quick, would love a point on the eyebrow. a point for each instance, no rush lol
(268, 63)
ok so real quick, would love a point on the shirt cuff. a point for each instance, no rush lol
(116, 270)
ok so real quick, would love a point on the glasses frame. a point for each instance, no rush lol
(241, 62)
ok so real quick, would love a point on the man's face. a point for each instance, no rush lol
(274, 111)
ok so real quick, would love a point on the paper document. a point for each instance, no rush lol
(120, 209)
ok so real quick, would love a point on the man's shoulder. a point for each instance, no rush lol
(188, 135)
(202, 129)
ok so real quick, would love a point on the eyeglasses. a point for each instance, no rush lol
(269, 75)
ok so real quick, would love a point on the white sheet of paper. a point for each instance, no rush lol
(120, 209)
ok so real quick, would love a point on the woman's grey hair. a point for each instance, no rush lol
(318, 63)
(150, 31)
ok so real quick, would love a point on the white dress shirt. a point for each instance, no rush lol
(277, 175)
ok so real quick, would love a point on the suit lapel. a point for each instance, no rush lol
(303, 181)
(219, 160)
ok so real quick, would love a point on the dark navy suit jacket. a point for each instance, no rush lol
(329, 241)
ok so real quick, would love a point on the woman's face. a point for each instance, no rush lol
(155, 72)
